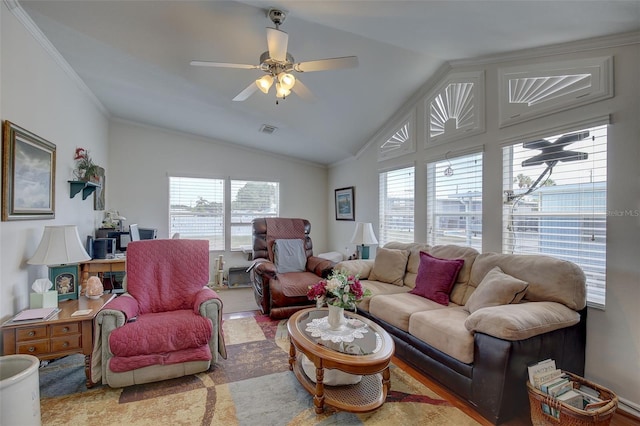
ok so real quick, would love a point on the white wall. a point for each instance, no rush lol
(143, 157)
(38, 95)
(613, 341)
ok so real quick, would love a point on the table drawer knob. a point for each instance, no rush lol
(66, 329)
(32, 349)
(32, 333)
(65, 344)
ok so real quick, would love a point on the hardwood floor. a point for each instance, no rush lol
(620, 418)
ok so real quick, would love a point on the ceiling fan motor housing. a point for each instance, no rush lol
(274, 67)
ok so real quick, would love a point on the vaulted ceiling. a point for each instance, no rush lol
(134, 56)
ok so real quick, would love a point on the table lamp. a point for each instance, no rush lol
(61, 249)
(363, 235)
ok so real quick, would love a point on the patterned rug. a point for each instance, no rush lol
(252, 387)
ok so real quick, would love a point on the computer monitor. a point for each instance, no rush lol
(148, 233)
(134, 232)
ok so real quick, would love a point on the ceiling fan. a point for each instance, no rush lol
(278, 65)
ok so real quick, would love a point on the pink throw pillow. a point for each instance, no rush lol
(436, 277)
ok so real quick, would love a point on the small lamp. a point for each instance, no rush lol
(61, 246)
(364, 235)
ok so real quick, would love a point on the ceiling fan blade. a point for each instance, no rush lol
(327, 64)
(244, 95)
(223, 65)
(303, 91)
(277, 43)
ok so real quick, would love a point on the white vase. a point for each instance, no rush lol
(336, 318)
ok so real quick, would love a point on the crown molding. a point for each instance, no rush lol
(21, 15)
(615, 40)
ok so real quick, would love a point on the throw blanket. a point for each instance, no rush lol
(283, 228)
(129, 308)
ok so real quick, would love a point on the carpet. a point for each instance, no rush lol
(252, 387)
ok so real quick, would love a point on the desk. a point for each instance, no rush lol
(100, 266)
(60, 335)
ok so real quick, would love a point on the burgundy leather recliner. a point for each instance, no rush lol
(282, 294)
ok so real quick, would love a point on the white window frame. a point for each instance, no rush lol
(399, 141)
(455, 109)
(222, 240)
(447, 223)
(400, 227)
(590, 212)
(535, 90)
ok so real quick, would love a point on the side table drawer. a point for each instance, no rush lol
(64, 329)
(36, 347)
(31, 333)
(65, 343)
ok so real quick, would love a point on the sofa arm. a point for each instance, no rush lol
(114, 314)
(521, 320)
(361, 268)
(264, 268)
(319, 266)
(210, 306)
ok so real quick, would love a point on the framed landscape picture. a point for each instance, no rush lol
(28, 175)
(345, 203)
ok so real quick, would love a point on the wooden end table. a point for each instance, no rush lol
(369, 356)
(58, 336)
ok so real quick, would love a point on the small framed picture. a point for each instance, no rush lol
(345, 203)
(65, 281)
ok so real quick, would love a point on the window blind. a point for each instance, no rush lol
(396, 207)
(555, 202)
(196, 209)
(454, 201)
(250, 200)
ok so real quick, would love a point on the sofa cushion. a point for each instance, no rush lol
(549, 278)
(522, 320)
(444, 329)
(436, 277)
(378, 288)
(397, 308)
(496, 288)
(389, 266)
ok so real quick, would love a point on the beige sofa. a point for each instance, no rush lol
(527, 308)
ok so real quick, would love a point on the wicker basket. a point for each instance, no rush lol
(569, 415)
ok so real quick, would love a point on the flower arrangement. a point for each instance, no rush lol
(86, 169)
(339, 289)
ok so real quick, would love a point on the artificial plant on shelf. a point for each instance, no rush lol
(85, 170)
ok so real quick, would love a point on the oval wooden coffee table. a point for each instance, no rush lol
(364, 350)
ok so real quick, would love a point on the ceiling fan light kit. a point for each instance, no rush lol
(278, 64)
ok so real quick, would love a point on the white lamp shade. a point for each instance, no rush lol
(60, 245)
(364, 234)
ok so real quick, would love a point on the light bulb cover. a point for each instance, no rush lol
(282, 92)
(264, 83)
(287, 81)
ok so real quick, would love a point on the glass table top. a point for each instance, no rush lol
(355, 338)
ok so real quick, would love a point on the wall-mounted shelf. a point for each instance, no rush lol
(87, 188)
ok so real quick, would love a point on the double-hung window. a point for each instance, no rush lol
(250, 200)
(220, 210)
(555, 201)
(454, 201)
(197, 209)
(396, 207)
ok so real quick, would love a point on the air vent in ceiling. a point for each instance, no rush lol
(266, 128)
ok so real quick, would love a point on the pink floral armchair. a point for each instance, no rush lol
(167, 324)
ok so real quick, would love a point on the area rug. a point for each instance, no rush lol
(252, 387)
